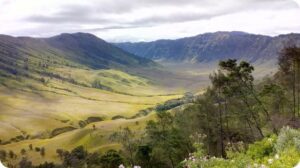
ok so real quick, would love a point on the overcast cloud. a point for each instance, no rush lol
(146, 20)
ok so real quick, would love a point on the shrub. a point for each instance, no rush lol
(261, 149)
(23, 152)
(37, 149)
(117, 117)
(288, 137)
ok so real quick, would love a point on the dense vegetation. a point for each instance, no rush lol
(237, 122)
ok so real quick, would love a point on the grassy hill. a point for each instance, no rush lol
(53, 90)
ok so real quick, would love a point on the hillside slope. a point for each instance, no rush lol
(52, 87)
(25, 55)
(210, 47)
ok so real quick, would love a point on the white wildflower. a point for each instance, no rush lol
(276, 156)
(270, 161)
(263, 166)
(121, 166)
(136, 166)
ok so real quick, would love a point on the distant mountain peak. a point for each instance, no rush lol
(213, 47)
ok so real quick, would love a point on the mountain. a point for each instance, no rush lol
(24, 55)
(95, 52)
(213, 47)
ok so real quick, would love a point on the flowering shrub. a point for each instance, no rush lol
(288, 137)
(271, 152)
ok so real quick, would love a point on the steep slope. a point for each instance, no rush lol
(212, 47)
(89, 49)
(23, 54)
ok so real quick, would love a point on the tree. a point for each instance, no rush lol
(3, 155)
(23, 152)
(11, 154)
(289, 74)
(240, 84)
(24, 163)
(218, 81)
(166, 140)
(93, 159)
(111, 159)
(143, 155)
(75, 158)
(42, 151)
(37, 149)
(60, 153)
(30, 147)
(46, 165)
(129, 143)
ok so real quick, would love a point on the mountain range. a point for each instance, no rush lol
(216, 46)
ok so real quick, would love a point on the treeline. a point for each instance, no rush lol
(77, 158)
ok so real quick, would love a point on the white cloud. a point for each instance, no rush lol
(136, 20)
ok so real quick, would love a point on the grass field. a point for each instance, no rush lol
(92, 140)
(31, 110)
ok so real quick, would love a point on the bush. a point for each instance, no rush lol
(117, 117)
(61, 130)
(288, 137)
(261, 149)
(111, 159)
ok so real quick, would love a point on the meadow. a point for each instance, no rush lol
(50, 113)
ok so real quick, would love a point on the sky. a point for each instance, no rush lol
(147, 20)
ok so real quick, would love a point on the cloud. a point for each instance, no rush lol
(121, 18)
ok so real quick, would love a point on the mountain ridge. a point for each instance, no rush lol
(27, 54)
(210, 47)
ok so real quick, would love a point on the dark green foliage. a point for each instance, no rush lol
(3, 155)
(111, 159)
(23, 152)
(37, 149)
(58, 131)
(127, 138)
(117, 117)
(143, 155)
(168, 144)
(24, 163)
(89, 120)
(30, 147)
(46, 165)
(12, 155)
(93, 160)
(170, 104)
(97, 84)
(43, 151)
(60, 153)
(75, 158)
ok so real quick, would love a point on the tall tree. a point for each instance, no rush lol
(289, 74)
